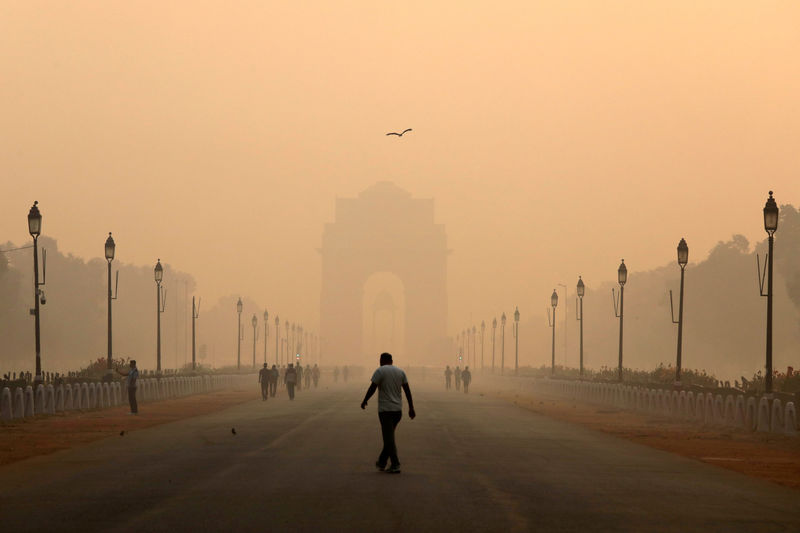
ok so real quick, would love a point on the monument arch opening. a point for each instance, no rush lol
(383, 315)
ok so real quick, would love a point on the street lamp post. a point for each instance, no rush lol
(254, 321)
(566, 313)
(195, 316)
(581, 290)
(110, 250)
(158, 274)
(277, 338)
(683, 259)
(503, 343)
(622, 277)
(516, 341)
(474, 348)
(770, 226)
(483, 333)
(239, 336)
(465, 342)
(494, 333)
(35, 229)
(552, 324)
(286, 345)
(266, 333)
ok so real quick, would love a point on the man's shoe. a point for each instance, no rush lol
(379, 466)
(394, 469)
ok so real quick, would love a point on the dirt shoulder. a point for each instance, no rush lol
(774, 458)
(22, 439)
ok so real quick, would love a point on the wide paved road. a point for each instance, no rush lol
(470, 463)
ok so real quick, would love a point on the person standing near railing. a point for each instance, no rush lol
(131, 378)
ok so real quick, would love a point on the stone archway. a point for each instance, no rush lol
(384, 229)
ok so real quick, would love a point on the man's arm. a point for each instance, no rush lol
(407, 390)
(370, 391)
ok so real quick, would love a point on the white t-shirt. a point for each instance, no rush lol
(390, 381)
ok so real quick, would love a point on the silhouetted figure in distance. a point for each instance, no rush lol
(132, 378)
(273, 381)
(315, 376)
(448, 377)
(466, 377)
(290, 378)
(299, 370)
(263, 379)
(458, 378)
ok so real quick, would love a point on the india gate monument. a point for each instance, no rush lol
(384, 232)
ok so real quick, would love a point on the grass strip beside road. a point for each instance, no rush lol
(775, 458)
(43, 434)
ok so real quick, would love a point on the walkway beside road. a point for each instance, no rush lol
(470, 463)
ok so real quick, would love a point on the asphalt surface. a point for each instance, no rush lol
(469, 463)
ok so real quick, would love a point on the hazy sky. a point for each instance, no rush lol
(557, 137)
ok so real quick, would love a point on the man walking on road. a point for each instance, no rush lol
(448, 377)
(290, 378)
(263, 378)
(132, 377)
(389, 379)
(466, 377)
(315, 375)
(458, 378)
(273, 381)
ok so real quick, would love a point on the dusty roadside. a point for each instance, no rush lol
(21, 439)
(775, 458)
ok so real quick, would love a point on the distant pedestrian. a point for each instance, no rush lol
(273, 381)
(389, 379)
(290, 378)
(448, 377)
(263, 379)
(299, 370)
(458, 378)
(132, 379)
(307, 376)
(336, 374)
(315, 375)
(466, 378)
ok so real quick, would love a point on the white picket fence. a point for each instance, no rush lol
(725, 411)
(24, 403)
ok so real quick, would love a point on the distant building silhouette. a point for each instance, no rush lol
(384, 230)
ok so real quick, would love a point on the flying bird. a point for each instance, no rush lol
(399, 134)
(233, 431)
(121, 433)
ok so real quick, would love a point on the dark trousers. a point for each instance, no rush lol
(466, 387)
(389, 421)
(264, 388)
(132, 400)
(447, 380)
(290, 388)
(273, 386)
